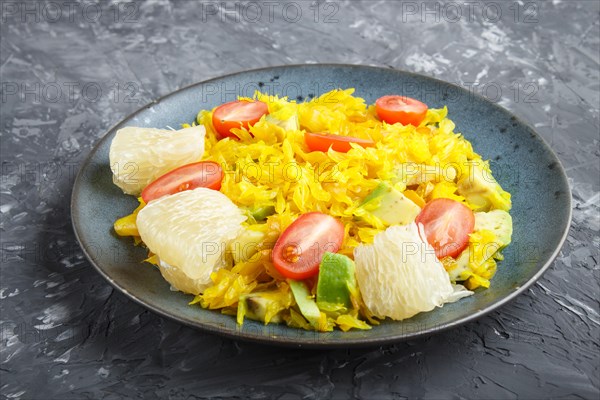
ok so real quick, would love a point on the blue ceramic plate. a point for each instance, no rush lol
(522, 162)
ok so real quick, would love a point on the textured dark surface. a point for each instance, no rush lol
(65, 333)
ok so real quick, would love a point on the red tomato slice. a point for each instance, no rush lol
(300, 248)
(206, 174)
(393, 109)
(237, 114)
(323, 141)
(447, 224)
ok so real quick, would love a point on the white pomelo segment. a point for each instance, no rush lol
(399, 275)
(140, 155)
(189, 232)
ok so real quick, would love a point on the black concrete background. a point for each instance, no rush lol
(71, 70)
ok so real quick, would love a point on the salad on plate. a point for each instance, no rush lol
(322, 214)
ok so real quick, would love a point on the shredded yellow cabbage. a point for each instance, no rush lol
(271, 166)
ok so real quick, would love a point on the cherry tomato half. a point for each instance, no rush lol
(323, 141)
(447, 224)
(237, 114)
(206, 174)
(300, 248)
(393, 109)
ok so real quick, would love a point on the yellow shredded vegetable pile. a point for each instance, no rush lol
(272, 166)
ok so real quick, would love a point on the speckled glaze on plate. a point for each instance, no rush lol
(521, 161)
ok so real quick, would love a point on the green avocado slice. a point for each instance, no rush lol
(307, 305)
(336, 282)
(390, 205)
(497, 221)
(256, 306)
(260, 213)
(481, 189)
(245, 246)
(379, 191)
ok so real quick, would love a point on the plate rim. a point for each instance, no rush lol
(301, 343)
